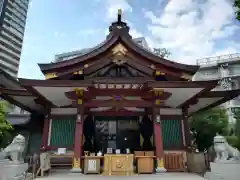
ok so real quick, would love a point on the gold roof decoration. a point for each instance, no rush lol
(50, 75)
(120, 11)
(119, 51)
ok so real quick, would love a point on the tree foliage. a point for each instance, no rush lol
(5, 126)
(206, 125)
(237, 125)
(161, 52)
(237, 6)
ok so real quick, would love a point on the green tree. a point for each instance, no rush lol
(237, 125)
(237, 6)
(161, 52)
(206, 125)
(5, 126)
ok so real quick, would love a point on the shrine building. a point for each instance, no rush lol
(117, 95)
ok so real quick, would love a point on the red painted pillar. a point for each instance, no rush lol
(78, 136)
(44, 144)
(158, 140)
(187, 134)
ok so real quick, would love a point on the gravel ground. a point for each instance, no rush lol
(164, 176)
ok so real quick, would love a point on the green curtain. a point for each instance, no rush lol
(63, 132)
(172, 134)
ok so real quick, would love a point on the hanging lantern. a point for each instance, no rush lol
(79, 118)
(158, 119)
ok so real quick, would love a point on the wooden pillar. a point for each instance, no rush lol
(186, 128)
(78, 151)
(44, 143)
(158, 134)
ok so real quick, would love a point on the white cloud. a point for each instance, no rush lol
(88, 32)
(134, 33)
(191, 30)
(58, 34)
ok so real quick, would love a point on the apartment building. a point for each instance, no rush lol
(225, 69)
(13, 14)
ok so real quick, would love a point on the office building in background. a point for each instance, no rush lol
(13, 14)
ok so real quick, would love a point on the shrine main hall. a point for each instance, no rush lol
(116, 97)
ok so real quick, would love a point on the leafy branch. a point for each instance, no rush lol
(237, 6)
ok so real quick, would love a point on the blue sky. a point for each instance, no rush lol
(190, 29)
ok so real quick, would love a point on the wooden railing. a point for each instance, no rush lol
(174, 162)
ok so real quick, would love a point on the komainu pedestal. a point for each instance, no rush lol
(227, 170)
(227, 162)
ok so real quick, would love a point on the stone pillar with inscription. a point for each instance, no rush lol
(158, 134)
(78, 133)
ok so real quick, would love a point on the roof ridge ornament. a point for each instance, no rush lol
(119, 24)
(119, 15)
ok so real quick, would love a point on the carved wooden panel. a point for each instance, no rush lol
(118, 71)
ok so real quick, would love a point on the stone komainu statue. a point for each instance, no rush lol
(15, 168)
(15, 150)
(223, 150)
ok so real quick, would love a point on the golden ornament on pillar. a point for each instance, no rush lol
(157, 101)
(79, 92)
(76, 162)
(79, 101)
(161, 163)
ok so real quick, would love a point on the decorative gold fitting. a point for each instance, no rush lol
(80, 72)
(119, 11)
(160, 163)
(79, 92)
(76, 162)
(119, 50)
(157, 101)
(152, 66)
(79, 101)
(158, 92)
(50, 75)
(157, 73)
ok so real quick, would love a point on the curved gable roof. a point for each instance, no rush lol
(118, 34)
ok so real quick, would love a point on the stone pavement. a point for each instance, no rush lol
(164, 176)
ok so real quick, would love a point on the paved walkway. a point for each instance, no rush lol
(164, 176)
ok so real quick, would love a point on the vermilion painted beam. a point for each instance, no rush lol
(15, 92)
(92, 93)
(118, 113)
(119, 104)
(145, 94)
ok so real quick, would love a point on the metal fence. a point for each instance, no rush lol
(218, 59)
